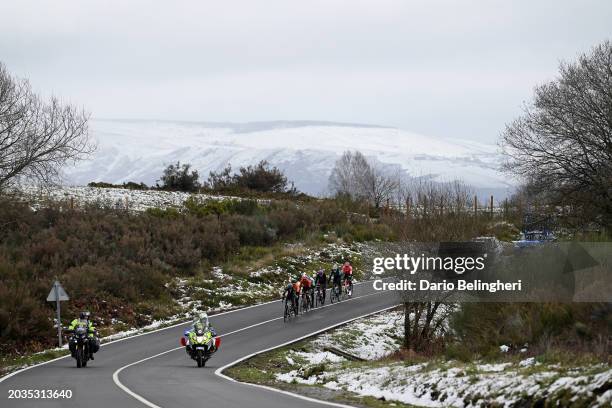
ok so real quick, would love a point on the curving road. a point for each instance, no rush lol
(152, 370)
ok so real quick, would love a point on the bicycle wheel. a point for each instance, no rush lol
(286, 315)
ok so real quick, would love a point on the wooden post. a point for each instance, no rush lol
(475, 205)
(72, 203)
(506, 209)
(491, 205)
(127, 204)
(408, 207)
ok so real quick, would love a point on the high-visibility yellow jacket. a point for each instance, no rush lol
(82, 323)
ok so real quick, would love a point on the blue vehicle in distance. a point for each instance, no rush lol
(534, 238)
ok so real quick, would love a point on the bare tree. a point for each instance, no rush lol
(347, 172)
(355, 176)
(562, 143)
(423, 321)
(37, 138)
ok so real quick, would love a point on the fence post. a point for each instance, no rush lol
(475, 205)
(408, 207)
(506, 209)
(72, 203)
(491, 205)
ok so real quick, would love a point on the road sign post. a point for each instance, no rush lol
(57, 295)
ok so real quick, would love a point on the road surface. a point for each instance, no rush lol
(151, 370)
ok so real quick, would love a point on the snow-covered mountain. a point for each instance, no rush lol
(138, 150)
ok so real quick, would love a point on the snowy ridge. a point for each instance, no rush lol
(132, 150)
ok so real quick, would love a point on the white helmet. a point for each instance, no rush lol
(203, 318)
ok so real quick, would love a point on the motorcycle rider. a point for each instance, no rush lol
(200, 322)
(203, 318)
(321, 281)
(84, 321)
(335, 277)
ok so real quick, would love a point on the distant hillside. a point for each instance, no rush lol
(138, 150)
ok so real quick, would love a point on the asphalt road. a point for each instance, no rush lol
(168, 378)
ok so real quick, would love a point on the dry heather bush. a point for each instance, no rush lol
(115, 263)
(546, 328)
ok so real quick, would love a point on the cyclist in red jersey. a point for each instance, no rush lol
(307, 286)
(347, 270)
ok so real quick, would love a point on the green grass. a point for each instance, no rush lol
(12, 363)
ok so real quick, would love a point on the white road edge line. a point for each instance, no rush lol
(21, 370)
(142, 399)
(218, 371)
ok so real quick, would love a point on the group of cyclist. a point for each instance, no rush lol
(307, 287)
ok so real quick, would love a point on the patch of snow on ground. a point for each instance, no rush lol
(319, 357)
(371, 338)
(492, 368)
(440, 388)
(119, 198)
(528, 362)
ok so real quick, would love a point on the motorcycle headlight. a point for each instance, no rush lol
(200, 339)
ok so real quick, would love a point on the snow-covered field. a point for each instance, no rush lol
(120, 198)
(436, 383)
(457, 387)
(136, 150)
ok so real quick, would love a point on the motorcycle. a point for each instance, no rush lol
(79, 344)
(200, 345)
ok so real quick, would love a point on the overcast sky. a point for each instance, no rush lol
(443, 68)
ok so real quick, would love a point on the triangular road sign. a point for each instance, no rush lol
(61, 293)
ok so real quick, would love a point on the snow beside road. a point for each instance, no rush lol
(457, 387)
(370, 339)
(436, 383)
